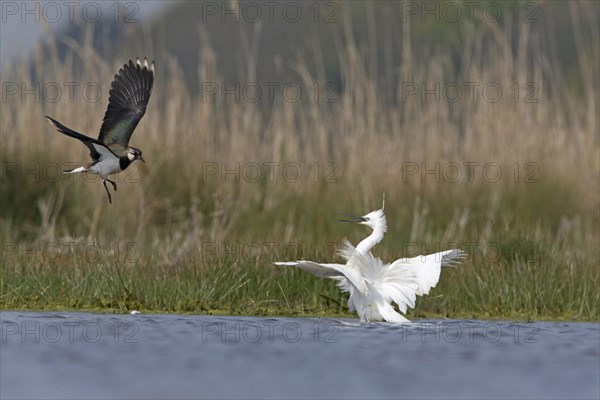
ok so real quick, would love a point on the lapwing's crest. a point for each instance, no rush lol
(128, 97)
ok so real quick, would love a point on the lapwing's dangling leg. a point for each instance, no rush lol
(107, 191)
(114, 184)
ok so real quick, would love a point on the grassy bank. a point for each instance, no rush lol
(517, 272)
(230, 187)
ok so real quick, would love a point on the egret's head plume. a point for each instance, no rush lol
(375, 219)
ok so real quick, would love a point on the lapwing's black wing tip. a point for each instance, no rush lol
(128, 97)
(51, 121)
(68, 131)
(90, 143)
(144, 64)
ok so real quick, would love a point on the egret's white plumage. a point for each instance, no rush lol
(373, 285)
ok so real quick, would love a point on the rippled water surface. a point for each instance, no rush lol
(76, 355)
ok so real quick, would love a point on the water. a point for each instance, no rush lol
(77, 355)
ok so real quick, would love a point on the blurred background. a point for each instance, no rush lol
(269, 120)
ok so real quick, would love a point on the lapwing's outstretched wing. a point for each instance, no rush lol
(127, 101)
(97, 148)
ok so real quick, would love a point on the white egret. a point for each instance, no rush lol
(373, 284)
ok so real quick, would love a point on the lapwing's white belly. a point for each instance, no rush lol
(106, 167)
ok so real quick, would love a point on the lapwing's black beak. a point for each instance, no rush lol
(353, 218)
(142, 159)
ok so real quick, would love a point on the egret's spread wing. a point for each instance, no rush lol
(322, 270)
(451, 258)
(399, 285)
(128, 97)
(330, 270)
(427, 268)
(392, 284)
(97, 148)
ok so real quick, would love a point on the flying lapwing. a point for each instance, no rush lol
(127, 101)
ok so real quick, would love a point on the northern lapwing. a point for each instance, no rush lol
(127, 100)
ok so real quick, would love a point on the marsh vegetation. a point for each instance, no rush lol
(231, 185)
